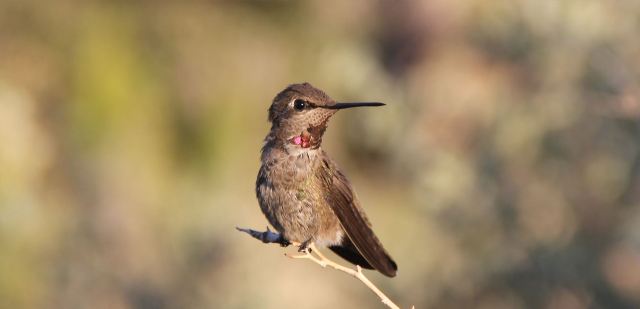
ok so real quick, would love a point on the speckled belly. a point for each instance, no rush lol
(294, 204)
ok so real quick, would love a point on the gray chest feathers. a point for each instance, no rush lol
(291, 198)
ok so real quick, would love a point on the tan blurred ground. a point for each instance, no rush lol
(503, 173)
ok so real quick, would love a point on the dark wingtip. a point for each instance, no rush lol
(395, 269)
(390, 270)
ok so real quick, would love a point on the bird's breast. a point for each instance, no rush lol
(292, 199)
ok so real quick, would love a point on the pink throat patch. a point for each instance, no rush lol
(302, 141)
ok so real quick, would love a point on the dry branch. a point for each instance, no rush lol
(271, 237)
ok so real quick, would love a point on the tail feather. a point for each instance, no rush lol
(348, 251)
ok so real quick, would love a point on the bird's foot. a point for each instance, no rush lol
(283, 241)
(304, 247)
(280, 240)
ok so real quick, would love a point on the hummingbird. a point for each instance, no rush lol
(302, 191)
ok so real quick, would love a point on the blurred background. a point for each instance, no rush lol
(503, 173)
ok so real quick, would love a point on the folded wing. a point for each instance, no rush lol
(339, 195)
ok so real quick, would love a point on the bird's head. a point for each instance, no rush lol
(299, 114)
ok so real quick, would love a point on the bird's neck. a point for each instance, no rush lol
(276, 146)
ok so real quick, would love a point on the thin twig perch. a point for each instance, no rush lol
(271, 237)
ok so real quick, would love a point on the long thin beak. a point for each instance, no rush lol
(352, 104)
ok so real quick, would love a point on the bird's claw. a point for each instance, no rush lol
(281, 240)
(304, 247)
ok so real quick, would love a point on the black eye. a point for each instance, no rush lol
(299, 104)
